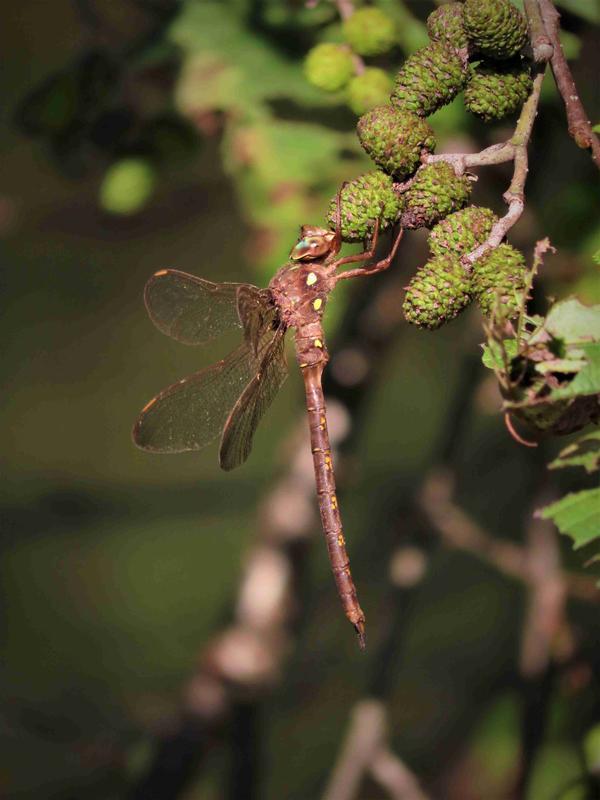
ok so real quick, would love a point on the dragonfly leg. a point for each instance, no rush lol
(366, 255)
(336, 245)
(379, 266)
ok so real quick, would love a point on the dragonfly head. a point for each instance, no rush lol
(313, 243)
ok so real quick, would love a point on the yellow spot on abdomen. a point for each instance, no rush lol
(317, 303)
(318, 343)
(334, 501)
(341, 540)
(311, 279)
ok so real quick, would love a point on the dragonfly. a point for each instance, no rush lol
(231, 396)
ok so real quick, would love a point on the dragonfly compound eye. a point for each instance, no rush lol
(311, 247)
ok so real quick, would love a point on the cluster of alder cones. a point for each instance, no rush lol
(475, 47)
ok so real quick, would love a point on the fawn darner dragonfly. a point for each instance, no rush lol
(231, 396)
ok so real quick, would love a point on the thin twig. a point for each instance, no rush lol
(457, 529)
(365, 750)
(580, 127)
(541, 46)
(515, 194)
(543, 639)
(515, 150)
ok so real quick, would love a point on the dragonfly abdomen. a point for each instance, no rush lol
(328, 503)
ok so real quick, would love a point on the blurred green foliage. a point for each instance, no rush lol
(117, 567)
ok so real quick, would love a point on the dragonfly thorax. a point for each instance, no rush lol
(300, 292)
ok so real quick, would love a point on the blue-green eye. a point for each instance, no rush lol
(303, 248)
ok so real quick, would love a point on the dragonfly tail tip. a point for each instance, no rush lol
(360, 632)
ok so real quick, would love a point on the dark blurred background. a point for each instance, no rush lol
(143, 135)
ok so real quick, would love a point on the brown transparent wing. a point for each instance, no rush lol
(195, 311)
(191, 413)
(253, 306)
(250, 407)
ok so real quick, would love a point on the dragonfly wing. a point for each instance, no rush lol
(256, 312)
(193, 310)
(192, 412)
(256, 398)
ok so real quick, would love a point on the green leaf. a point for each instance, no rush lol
(585, 452)
(576, 515)
(247, 70)
(587, 380)
(566, 365)
(573, 322)
(495, 355)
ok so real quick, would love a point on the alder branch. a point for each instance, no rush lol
(580, 128)
(515, 150)
(457, 529)
(366, 751)
(541, 46)
(514, 197)
(545, 638)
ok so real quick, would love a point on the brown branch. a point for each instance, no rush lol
(515, 150)
(366, 751)
(514, 197)
(457, 529)
(545, 637)
(580, 128)
(545, 617)
(541, 46)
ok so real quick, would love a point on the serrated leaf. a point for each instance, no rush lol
(585, 452)
(576, 515)
(587, 380)
(495, 355)
(564, 365)
(573, 322)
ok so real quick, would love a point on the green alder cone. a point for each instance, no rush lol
(370, 32)
(499, 280)
(495, 28)
(437, 294)
(364, 200)
(368, 90)
(435, 192)
(429, 79)
(329, 66)
(395, 139)
(495, 91)
(461, 232)
(446, 23)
